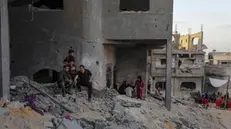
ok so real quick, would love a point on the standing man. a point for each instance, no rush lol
(84, 77)
(65, 80)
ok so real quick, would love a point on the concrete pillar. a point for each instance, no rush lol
(4, 51)
(92, 46)
(168, 96)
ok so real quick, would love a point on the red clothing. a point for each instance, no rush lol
(139, 88)
(205, 102)
(229, 105)
(219, 102)
(69, 58)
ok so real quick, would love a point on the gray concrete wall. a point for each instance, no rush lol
(159, 69)
(153, 24)
(85, 25)
(43, 42)
(130, 63)
(197, 68)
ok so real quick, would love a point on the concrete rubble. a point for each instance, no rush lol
(108, 110)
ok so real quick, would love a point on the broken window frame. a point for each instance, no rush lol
(183, 88)
(164, 60)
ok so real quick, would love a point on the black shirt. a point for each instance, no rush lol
(84, 78)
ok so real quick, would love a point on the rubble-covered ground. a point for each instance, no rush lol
(108, 110)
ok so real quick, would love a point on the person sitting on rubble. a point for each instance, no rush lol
(71, 63)
(129, 90)
(205, 102)
(74, 76)
(84, 79)
(65, 80)
(122, 88)
(219, 102)
(157, 91)
(70, 57)
(139, 87)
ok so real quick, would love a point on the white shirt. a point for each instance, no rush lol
(129, 91)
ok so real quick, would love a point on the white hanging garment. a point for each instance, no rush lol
(217, 82)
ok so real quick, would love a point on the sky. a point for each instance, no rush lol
(215, 15)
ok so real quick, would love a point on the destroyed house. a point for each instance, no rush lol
(110, 37)
(187, 70)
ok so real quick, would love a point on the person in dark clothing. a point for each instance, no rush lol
(213, 98)
(65, 80)
(123, 87)
(84, 77)
(70, 57)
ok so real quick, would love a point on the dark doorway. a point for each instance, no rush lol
(188, 86)
(45, 76)
(109, 77)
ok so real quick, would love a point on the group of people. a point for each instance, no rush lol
(220, 100)
(70, 77)
(133, 90)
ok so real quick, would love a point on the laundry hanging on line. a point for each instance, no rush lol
(217, 82)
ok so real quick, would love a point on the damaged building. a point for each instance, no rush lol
(110, 37)
(187, 70)
(187, 64)
(218, 67)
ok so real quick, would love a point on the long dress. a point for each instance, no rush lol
(139, 88)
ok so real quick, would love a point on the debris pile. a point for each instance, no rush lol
(108, 110)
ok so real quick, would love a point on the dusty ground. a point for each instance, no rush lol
(108, 110)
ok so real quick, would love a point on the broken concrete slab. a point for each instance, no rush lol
(71, 124)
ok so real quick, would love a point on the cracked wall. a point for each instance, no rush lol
(186, 67)
(153, 24)
(42, 43)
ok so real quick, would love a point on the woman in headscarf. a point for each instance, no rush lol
(139, 87)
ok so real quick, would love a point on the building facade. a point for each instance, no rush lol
(110, 37)
(187, 70)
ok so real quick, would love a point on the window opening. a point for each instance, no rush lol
(134, 5)
(40, 4)
(188, 86)
(162, 61)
